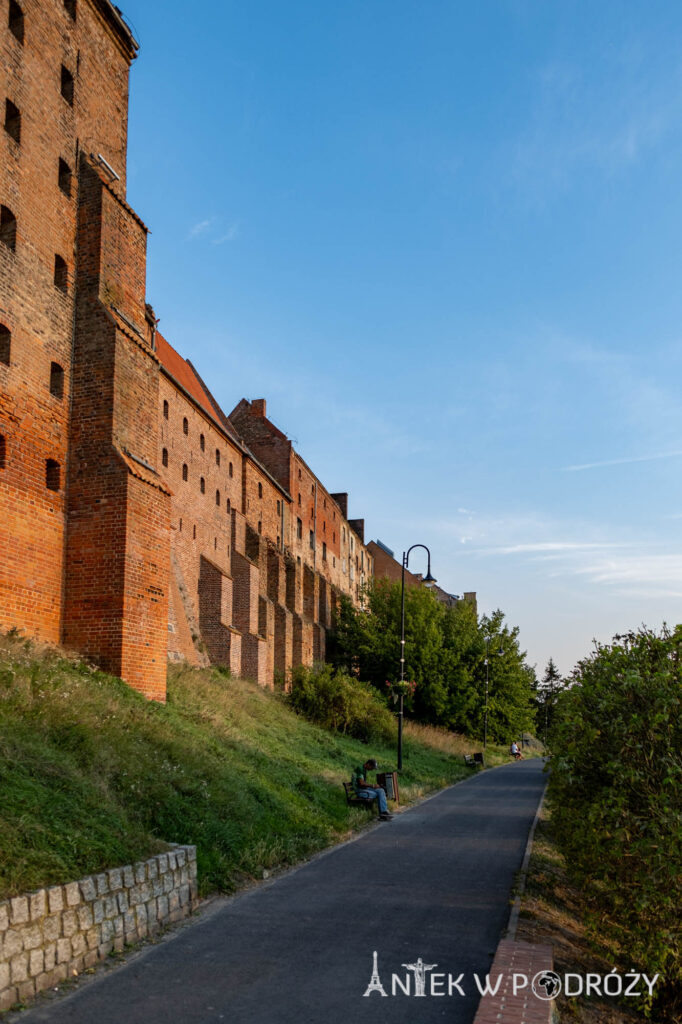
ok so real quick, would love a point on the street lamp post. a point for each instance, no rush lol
(428, 580)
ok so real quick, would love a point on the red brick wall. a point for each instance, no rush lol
(39, 316)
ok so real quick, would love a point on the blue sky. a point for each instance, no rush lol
(443, 239)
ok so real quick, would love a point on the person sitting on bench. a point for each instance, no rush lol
(515, 752)
(366, 791)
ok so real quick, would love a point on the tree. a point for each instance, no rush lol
(616, 794)
(510, 681)
(546, 696)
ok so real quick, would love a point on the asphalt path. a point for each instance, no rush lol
(434, 884)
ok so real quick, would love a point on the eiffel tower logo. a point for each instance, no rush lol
(375, 981)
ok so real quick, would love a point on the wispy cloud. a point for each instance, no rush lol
(229, 236)
(200, 228)
(551, 547)
(622, 462)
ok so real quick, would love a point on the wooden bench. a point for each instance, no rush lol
(353, 800)
(474, 760)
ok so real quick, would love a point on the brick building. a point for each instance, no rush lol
(386, 566)
(138, 522)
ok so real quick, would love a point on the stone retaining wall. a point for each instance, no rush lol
(49, 935)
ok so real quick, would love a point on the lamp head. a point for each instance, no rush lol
(429, 580)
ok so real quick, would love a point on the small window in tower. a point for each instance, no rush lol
(202, 485)
(56, 380)
(184, 471)
(61, 274)
(52, 475)
(64, 177)
(180, 526)
(260, 490)
(165, 409)
(215, 543)
(260, 526)
(8, 228)
(312, 540)
(333, 538)
(231, 469)
(312, 488)
(202, 442)
(185, 425)
(67, 85)
(5, 344)
(228, 505)
(278, 508)
(217, 456)
(3, 451)
(324, 551)
(299, 474)
(324, 527)
(12, 121)
(16, 20)
(164, 457)
(217, 497)
(299, 499)
(70, 7)
(194, 532)
(279, 540)
(325, 503)
(299, 529)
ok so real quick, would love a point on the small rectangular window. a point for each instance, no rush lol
(70, 8)
(52, 475)
(299, 529)
(12, 121)
(64, 177)
(5, 344)
(61, 274)
(8, 228)
(16, 21)
(312, 540)
(56, 380)
(67, 85)
(3, 451)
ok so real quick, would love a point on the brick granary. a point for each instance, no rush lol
(138, 521)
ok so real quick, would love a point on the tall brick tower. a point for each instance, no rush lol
(84, 514)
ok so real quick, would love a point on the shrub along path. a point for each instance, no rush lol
(433, 883)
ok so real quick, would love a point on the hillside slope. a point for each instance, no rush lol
(92, 775)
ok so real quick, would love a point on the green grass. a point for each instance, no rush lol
(92, 775)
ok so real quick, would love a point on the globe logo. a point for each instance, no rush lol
(546, 985)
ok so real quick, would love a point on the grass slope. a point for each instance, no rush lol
(92, 775)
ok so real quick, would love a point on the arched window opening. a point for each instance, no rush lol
(185, 425)
(8, 228)
(231, 470)
(165, 409)
(52, 475)
(202, 485)
(164, 457)
(12, 121)
(217, 456)
(64, 177)
(184, 471)
(67, 85)
(260, 490)
(5, 344)
(56, 380)
(16, 21)
(61, 274)
(217, 497)
(228, 505)
(202, 442)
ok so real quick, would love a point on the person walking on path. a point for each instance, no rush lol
(366, 791)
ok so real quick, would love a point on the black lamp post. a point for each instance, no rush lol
(487, 681)
(428, 580)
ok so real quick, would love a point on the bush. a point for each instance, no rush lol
(340, 702)
(616, 789)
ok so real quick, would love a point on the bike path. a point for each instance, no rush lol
(433, 883)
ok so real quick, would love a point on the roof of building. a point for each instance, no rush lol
(114, 16)
(184, 374)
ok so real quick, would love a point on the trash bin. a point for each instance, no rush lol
(389, 782)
